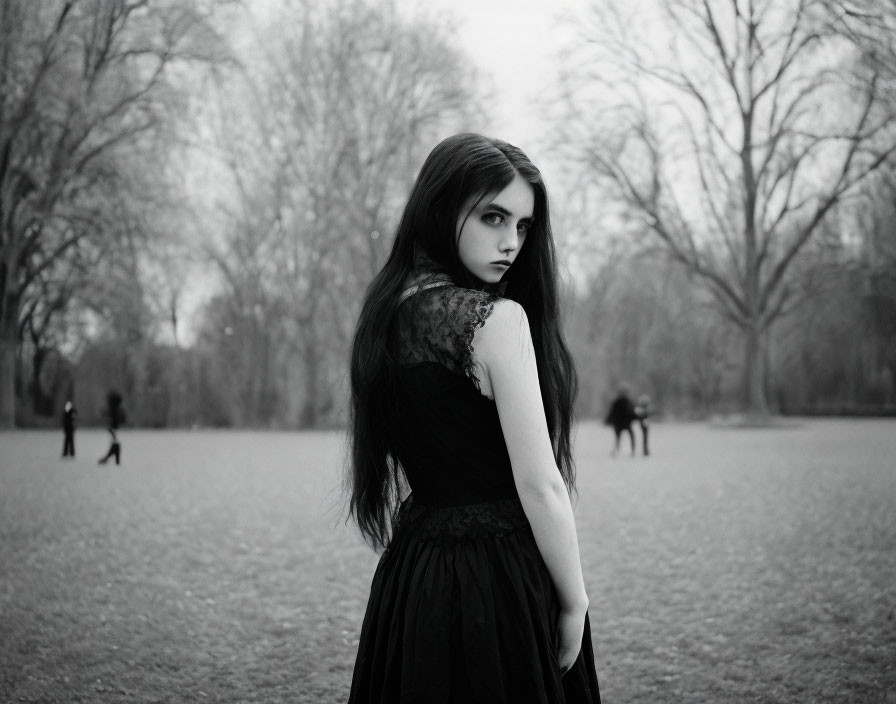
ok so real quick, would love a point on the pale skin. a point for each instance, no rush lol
(493, 232)
(507, 371)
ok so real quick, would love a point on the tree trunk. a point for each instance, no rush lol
(136, 406)
(755, 401)
(41, 403)
(8, 346)
(312, 369)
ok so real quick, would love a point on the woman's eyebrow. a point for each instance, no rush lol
(501, 209)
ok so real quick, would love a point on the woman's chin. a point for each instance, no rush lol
(490, 277)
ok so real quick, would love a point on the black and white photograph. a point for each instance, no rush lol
(448, 352)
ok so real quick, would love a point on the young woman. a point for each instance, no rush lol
(462, 392)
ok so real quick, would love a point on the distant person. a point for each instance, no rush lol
(642, 411)
(479, 595)
(69, 420)
(621, 416)
(115, 417)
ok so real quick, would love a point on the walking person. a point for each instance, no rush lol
(621, 416)
(642, 412)
(115, 417)
(69, 420)
(462, 394)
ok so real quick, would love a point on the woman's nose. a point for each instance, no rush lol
(509, 242)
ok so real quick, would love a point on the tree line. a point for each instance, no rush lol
(726, 210)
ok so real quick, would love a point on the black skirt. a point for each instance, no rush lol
(462, 609)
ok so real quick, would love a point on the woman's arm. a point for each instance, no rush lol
(504, 353)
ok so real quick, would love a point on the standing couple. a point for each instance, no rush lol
(623, 412)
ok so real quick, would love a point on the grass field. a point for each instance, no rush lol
(731, 566)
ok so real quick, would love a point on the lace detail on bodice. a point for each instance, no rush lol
(437, 324)
(454, 524)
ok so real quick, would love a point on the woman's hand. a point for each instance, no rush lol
(570, 628)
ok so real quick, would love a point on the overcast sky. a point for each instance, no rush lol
(516, 44)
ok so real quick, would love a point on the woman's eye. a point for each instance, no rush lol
(523, 227)
(493, 218)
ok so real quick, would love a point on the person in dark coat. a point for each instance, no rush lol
(621, 416)
(642, 411)
(69, 417)
(115, 416)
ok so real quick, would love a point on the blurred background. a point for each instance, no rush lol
(195, 194)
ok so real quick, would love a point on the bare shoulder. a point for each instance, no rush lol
(507, 318)
(505, 330)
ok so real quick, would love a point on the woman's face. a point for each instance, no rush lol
(491, 235)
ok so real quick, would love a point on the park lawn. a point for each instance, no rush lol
(731, 566)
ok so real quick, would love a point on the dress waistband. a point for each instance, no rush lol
(451, 524)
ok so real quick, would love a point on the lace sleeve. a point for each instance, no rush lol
(438, 325)
(474, 318)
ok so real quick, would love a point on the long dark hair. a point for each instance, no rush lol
(458, 173)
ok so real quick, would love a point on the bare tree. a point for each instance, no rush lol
(82, 82)
(42, 324)
(332, 121)
(731, 130)
(644, 320)
(870, 24)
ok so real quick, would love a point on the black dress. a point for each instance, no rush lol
(462, 608)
